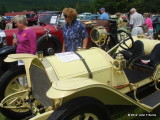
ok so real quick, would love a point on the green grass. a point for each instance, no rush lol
(122, 113)
(133, 113)
(3, 118)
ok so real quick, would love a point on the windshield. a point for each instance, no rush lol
(53, 19)
(48, 18)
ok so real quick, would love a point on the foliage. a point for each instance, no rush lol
(112, 6)
(54, 5)
(142, 6)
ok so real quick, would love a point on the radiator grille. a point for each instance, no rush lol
(40, 85)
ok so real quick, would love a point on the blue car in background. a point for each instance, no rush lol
(88, 17)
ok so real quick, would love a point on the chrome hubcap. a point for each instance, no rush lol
(50, 51)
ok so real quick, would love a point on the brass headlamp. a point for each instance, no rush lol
(99, 35)
(119, 63)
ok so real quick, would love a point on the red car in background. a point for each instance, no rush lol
(49, 36)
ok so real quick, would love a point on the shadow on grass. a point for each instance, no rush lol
(3, 117)
(133, 113)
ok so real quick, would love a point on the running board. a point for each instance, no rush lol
(152, 100)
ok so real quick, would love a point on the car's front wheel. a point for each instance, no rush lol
(13, 82)
(82, 108)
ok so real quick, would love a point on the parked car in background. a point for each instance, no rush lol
(86, 13)
(83, 15)
(87, 18)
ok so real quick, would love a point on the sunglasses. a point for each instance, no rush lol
(65, 16)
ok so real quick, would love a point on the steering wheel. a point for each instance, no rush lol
(122, 37)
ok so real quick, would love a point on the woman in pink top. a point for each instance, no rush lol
(148, 22)
(24, 40)
(26, 37)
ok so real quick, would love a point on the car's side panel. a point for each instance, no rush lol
(76, 87)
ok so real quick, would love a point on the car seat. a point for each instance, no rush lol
(135, 51)
(149, 61)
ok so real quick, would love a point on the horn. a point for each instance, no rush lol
(99, 35)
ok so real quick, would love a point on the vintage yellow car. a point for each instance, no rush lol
(78, 85)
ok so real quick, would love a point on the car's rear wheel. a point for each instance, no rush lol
(9, 84)
(82, 108)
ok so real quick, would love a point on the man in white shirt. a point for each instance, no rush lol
(136, 22)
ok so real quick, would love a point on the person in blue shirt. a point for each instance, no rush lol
(74, 32)
(104, 15)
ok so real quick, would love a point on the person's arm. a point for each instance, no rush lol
(84, 36)
(14, 42)
(33, 43)
(63, 44)
(145, 22)
(85, 41)
(107, 16)
(131, 27)
(131, 22)
(63, 47)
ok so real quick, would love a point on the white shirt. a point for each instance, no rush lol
(136, 20)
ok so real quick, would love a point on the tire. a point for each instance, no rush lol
(50, 46)
(4, 52)
(5, 80)
(82, 107)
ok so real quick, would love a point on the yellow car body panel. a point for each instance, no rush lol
(99, 62)
(71, 79)
(76, 87)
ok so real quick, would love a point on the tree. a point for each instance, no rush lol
(142, 6)
(3, 9)
(112, 6)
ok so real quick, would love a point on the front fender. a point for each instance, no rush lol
(77, 87)
(64, 88)
(16, 57)
(26, 58)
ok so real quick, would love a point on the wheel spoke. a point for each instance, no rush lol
(126, 45)
(86, 117)
(127, 39)
(120, 37)
(82, 117)
(77, 117)
(15, 86)
(11, 102)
